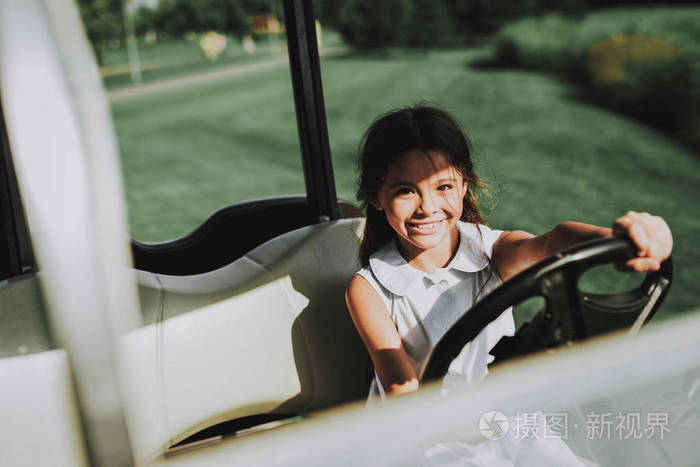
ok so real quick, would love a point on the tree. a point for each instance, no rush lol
(104, 22)
(480, 17)
(176, 17)
(375, 23)
(259, 7)
(381, 23)
(328, 12)
(144, 20)
(235, 16)
(430, 25)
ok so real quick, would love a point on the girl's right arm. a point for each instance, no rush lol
(381, 338)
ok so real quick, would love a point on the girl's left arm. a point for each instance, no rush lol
(517, 250)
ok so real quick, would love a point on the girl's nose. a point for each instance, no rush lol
(427, 205)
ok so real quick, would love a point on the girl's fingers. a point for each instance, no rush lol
(629, 225)
(639, 236)
(661, 241)
(639, 265)
(650, 234)
(665, 238)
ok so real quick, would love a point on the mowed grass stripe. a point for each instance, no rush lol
(186, 154)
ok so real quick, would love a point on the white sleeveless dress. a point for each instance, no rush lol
(424, 306)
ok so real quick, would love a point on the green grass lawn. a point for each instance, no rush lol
(546, 156)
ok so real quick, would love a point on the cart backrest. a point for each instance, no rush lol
(268, 333)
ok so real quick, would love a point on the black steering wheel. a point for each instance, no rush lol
(568, 315)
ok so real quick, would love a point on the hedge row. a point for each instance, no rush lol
(644, 65)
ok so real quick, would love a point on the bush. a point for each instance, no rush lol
(649, 68)
(643, 76)
(549, 43)
(478, 17)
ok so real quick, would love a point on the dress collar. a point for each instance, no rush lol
(394, 273)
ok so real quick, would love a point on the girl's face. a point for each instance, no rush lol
(422, 200)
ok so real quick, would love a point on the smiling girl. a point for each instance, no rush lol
(427, 255)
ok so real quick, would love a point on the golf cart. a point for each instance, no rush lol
(203, 351)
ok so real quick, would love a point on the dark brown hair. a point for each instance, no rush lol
(421, 127)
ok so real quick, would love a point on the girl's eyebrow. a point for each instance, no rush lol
(446, 180)
(400, 183)
(438, 182)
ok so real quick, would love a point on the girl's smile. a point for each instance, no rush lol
(425, 228)
(422, 200)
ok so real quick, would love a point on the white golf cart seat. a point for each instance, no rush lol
(266, 334)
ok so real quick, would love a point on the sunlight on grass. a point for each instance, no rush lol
(547, 156)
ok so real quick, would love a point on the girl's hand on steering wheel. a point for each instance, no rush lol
(652, 237)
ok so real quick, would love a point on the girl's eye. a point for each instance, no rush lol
(444, 187)
(404, 191)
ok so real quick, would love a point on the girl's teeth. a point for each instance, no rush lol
(426, 226)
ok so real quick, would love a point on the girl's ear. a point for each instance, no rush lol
(376, 204)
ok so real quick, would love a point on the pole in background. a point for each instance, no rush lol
(131, 44)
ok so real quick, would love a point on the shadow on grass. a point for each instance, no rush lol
(489, 62)
(412, 54)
